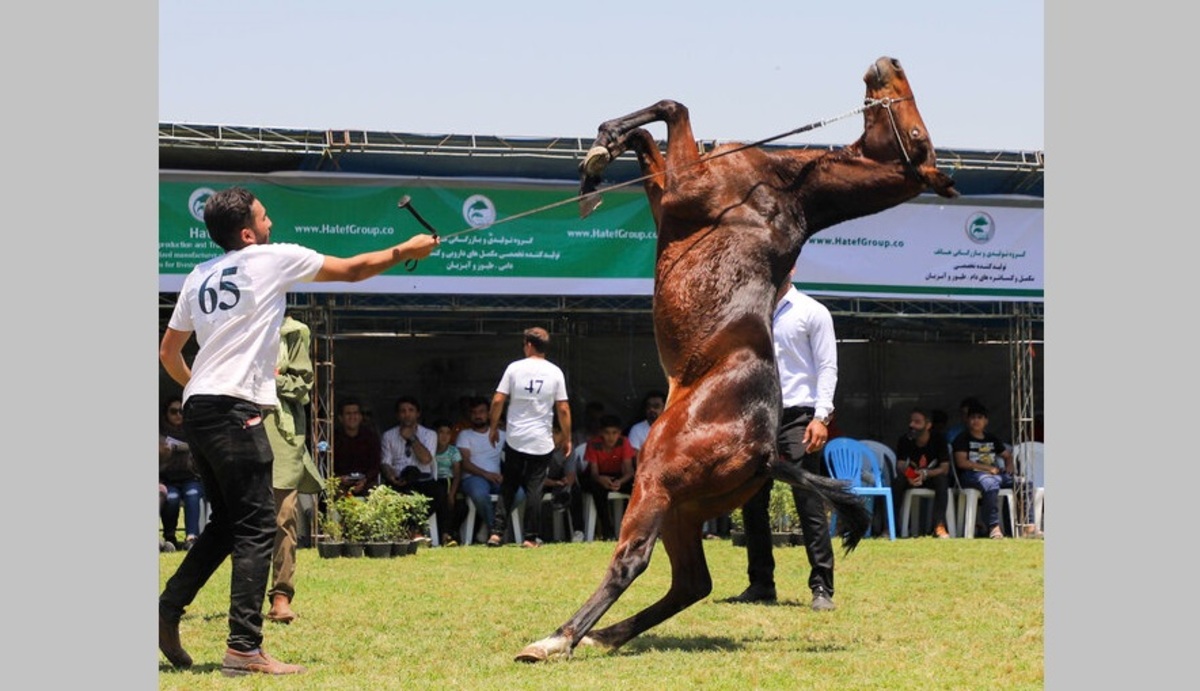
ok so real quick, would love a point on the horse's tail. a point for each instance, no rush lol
(853, 518)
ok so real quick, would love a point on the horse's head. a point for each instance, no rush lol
(894, 128)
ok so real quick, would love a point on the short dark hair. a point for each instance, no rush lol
(537, 337)
(477, 401)
(226, 213)
(166, 403)
(440, 423)
(653, 393)
(923, 412)
(610, 421)
(977, 409)
(406, 399)
(968, 402)
(348, 401)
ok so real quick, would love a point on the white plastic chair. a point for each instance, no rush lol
(616, 502)
(468, 526)
(563, 527)
(968, 504)
(1030, 460)
(884, 453)
(910, 514)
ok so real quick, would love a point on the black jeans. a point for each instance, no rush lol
(813, 521)
(234, 459)
(522, 470)
(439, 504)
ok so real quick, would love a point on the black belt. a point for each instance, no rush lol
(793, 413)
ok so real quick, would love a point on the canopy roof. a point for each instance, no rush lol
(267, 150)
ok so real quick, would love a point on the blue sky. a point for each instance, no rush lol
(539, 68)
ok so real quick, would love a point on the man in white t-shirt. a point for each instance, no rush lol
(480, 461)
(235, 304)
(653, 403)
(535, 390)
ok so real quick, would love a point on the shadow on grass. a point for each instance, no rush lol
(204, 668)
(695, 644)
(708, 644)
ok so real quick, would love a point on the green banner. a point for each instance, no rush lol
(526, 238)
(616, 242)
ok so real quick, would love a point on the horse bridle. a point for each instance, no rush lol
(887, 107)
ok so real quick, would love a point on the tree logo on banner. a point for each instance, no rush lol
(479, 211)
(980, 227)
(196, 202)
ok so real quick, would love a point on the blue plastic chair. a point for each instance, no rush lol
(844, 458)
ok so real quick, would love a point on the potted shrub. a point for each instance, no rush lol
(737, 529)
(412, 515)
(383, 521)
(353, 512)
(332, 539)
(331, 543)
(784, 519)
(781, 509)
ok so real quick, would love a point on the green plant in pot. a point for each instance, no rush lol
(355, 526)
(781, 511)
(414, 510)
(332, 540)
(384, 517)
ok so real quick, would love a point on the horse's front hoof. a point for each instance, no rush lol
(553, 648)
(531, 653)
(595, 162)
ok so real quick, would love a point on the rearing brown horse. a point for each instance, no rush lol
(730, 227)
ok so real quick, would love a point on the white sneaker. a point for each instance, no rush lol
(577, 536)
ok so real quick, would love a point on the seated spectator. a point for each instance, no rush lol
(610, 469)
(592, 412)
(408, 464)
(356, 450)
(177, 473)
(449, 473)
(562, 482)
(653, 403)
(984, 463)
(481, 462)
(923, 460)
(163, 545)
(960, 425)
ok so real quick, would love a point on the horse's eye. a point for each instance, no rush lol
(915, 134)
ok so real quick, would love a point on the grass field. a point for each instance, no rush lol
(912, 614)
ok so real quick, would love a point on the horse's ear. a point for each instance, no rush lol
(940, 182)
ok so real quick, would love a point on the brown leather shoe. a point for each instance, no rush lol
(237, 664)
(281, 610)
(168, 643)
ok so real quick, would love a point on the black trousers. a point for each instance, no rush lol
(439, 502)
(522, 470)
(233, 456)
(813, 519)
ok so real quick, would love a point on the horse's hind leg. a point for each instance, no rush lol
(690, 582)
(630, 559)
